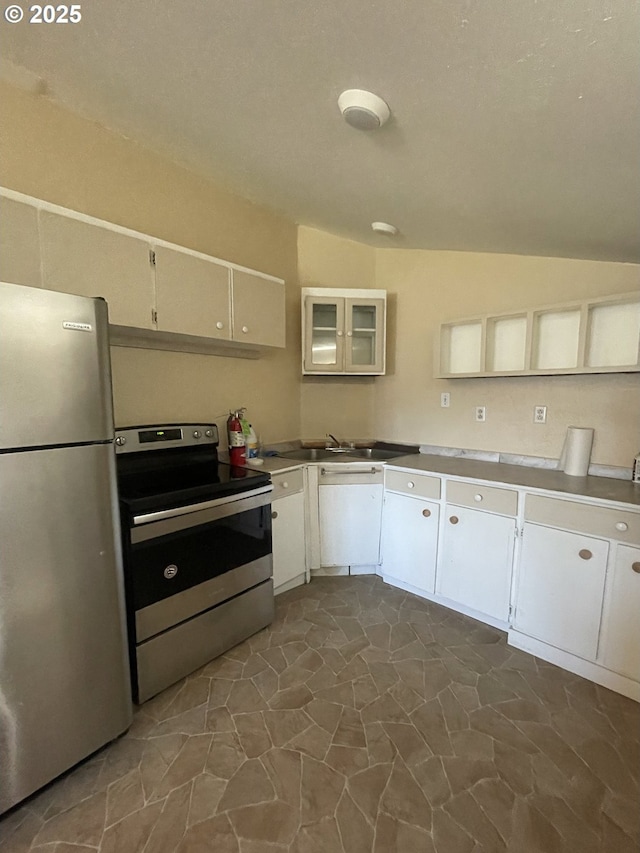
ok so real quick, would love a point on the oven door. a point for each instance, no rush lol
(186, 560)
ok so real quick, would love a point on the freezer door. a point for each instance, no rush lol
(55, 381)
(64, 675)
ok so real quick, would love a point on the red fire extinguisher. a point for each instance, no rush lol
(236, 439)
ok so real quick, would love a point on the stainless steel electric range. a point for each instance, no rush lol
(197, 551)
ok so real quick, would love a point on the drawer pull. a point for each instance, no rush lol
(585, 554)
(622, 526)
(284, 485)
(426, 513)
(636, 567)
(411, 484)
(274, 513)
(477, 498)
(454, 519)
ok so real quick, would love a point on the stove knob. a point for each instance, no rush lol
(209, 433)
(197, 433)
(120, 440)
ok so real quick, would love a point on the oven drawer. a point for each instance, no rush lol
(183, 605)
(165, 659)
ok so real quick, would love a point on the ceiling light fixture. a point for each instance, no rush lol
(384, 228)
(363, 110)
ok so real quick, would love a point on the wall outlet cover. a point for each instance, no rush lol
(539, 414)
(481, 413)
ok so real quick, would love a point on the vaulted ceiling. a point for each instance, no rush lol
(515, 124)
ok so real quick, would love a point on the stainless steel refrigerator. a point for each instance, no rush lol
(64, 677)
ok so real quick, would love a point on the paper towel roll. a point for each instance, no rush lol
(576, 452)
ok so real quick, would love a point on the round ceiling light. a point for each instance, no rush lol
(384, 228)
(363, 110)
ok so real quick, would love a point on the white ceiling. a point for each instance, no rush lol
(515, 123)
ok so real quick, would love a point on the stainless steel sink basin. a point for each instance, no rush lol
(375, 453)
(339, 454)
(312, 454)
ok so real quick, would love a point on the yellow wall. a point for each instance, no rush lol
(52, 154)
(343, 407)
(49, 153)
(432, 287)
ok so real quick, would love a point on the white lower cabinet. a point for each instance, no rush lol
(476, 560)
(350, 515)
(410, 541)
(561, 587)
(620, 639)
(288, 530)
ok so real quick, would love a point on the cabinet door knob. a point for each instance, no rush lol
(426, 513)
(585, 554)
(622, 526)
(339, 333)
(477, 498)
(454, 519)
(219, 325)
(636, 567)
(274, 513)
(411, 484)
(245, 329)
(349, 334)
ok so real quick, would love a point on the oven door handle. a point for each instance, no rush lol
(187, 510)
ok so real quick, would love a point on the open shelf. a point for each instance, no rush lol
(599, 335)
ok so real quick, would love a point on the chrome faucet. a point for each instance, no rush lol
(334, 438)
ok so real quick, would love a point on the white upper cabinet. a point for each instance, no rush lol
(203, 297)
(258, 309)
(593, 336)
(19, 244)
(160, 296)
(193, 295)
(343, 331)
(89, 260)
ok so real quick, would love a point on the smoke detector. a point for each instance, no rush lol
(363, 110)
(384, 228)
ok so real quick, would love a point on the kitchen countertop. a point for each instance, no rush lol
(599, 488)
(276, 464)
(500, 473)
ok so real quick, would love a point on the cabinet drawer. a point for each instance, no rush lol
(489, 498)
(595, 520)
(287, 483)
(419, 485)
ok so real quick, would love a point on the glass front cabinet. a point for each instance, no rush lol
(343, 331)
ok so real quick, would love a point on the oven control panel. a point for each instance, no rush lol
(153, 437)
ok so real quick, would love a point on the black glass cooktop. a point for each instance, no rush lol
(170, 478)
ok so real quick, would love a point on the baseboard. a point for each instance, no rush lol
(587, 669)
(291, 584)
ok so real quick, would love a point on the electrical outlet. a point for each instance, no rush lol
(445, 399)
(481, 413)
(539, 414)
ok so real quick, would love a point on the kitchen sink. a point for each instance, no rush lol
(339, 454)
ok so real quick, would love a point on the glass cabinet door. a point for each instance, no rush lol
(324, 335)
(364, 336)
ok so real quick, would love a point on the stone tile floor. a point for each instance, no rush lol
(364, 720)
